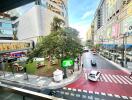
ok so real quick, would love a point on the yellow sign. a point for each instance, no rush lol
(13, 46)
(129, 11)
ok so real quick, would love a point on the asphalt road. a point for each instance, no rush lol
(110, 89)
(101, 63)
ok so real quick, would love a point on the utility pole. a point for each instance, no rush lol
(123, 48)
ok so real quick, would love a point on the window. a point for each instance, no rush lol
(6, 25)
(6, 31)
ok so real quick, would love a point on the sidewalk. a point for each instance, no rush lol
(37, 82)
(127, 69)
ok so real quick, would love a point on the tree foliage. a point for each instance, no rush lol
(59, 43)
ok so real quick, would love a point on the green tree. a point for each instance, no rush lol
(59, 43)
(57, 24)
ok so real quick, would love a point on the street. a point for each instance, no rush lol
(114, 84)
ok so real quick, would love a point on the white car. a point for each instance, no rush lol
(94, 75)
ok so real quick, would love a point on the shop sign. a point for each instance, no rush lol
(13, 46)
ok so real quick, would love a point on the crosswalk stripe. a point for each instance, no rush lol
(121, 79)
(126, 80)
(112, 78)
(104, 78)
(117, 79)
(108, 78)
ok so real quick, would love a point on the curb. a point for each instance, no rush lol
(66, 83)
(116, 65)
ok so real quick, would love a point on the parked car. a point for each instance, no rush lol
(94, 75)
(93, 62)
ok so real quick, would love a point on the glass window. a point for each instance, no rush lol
(6, 31)
(6, 25)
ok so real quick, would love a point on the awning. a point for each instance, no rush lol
(109, 46)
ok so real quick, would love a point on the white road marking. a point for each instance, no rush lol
(77, 95)
(64, 88)
(85, 91)
(130, 98)
(104, 78)
(74, 89)
(103, 93)
(91, 92)
(108, 78)
(96, 92)
(121, 79)
(90, 97)
(117, 79)
(96, 98)
(117, 96)
(110, 95)
(126, 80)
(72, 94)
(69, 88)
(62, 92)
(79, 90)
(84, 96)
(66, 93)
(112, 78)
(124, 97)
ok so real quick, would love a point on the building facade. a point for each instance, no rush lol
(37, 21)
(90, 35)
(6, 30)
(112, 26)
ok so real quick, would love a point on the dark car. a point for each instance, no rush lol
(93, 63)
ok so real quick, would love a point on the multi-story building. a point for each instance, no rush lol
(36, 22)
(6, 30)
(90, 35)
(112, 25)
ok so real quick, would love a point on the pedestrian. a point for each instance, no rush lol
(82, 65)
(130, 75)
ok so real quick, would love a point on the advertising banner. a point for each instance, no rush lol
(115, 30)
(126, 25)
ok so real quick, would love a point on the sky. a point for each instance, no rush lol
(80, 14)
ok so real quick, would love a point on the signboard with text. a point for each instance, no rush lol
(65, 63)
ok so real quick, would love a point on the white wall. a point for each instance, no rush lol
(36, 22)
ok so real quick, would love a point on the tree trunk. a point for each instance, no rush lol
(49, 61)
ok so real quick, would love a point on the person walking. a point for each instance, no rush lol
(130, 75)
